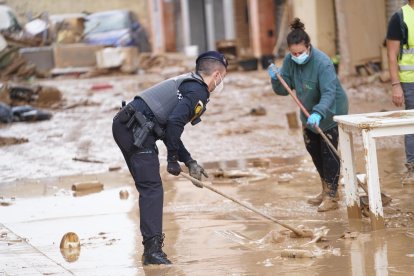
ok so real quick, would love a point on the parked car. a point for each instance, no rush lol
(115, 28)
(8, 20)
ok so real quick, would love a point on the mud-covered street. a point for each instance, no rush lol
(244, 134)
(246, 120)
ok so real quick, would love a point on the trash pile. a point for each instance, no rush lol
(20, 103)
(76, 44)
(13, 65)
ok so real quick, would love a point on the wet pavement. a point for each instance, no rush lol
(265, 164)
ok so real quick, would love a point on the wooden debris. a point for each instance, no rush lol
(14, 66)
(350, 235)
(6, 141)
(259, 111)
(261, 163)
(87, 160)
(123, 194)
(292, 119)
(297, 253)
(20, 41)
(114, 168)
(69, 240)
(70, 247)
(90, 185)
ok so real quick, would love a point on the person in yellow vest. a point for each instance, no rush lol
(400, 48)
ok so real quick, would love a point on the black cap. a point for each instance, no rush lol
(213, 55)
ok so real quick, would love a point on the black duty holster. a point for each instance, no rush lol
(140, 125)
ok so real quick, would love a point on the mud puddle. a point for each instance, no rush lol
(206, 234)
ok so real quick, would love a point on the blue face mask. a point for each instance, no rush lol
(300, 59)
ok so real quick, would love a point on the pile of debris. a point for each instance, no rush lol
(35, 95)
(20, 103)
(167, 65)
(13, 65)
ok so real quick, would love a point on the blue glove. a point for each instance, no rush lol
(314, 119)
(272, 70)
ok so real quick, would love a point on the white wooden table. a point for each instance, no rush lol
(371, 126)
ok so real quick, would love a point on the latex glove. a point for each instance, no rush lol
(272, 70)
(196, 171)
(314, 119)
(173, 167)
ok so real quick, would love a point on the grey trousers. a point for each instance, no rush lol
(408, 88)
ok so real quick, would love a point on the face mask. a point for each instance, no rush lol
(300, 59)
(218, 88)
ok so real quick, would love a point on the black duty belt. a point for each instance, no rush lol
(140, 125)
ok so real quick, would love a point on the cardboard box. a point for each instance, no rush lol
(42, 57)
(109, 58)
(124, 57)
(75, 55)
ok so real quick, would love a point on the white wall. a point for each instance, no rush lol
(318, 17)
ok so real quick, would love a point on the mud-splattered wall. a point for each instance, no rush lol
(25, 7)
(362, 27)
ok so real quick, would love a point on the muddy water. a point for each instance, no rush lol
(206, 234)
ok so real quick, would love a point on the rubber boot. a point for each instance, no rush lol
(153, 254)
(317, 200)
(328, 202)
(409, 176)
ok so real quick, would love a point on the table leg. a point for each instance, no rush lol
(374, 190)
(348, 170)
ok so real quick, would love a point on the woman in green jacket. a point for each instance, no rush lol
(312, 75)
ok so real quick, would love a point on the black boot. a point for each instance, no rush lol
(153, 253)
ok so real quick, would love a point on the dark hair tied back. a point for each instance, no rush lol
(297, 34)
(296, 24)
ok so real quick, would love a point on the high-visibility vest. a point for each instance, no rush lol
(406, 63)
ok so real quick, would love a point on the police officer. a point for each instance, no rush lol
(161, 112)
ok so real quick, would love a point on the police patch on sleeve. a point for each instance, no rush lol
(198, 110)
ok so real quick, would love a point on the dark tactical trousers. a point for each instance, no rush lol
(144, 166)
(326, 162)
(408, 89)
